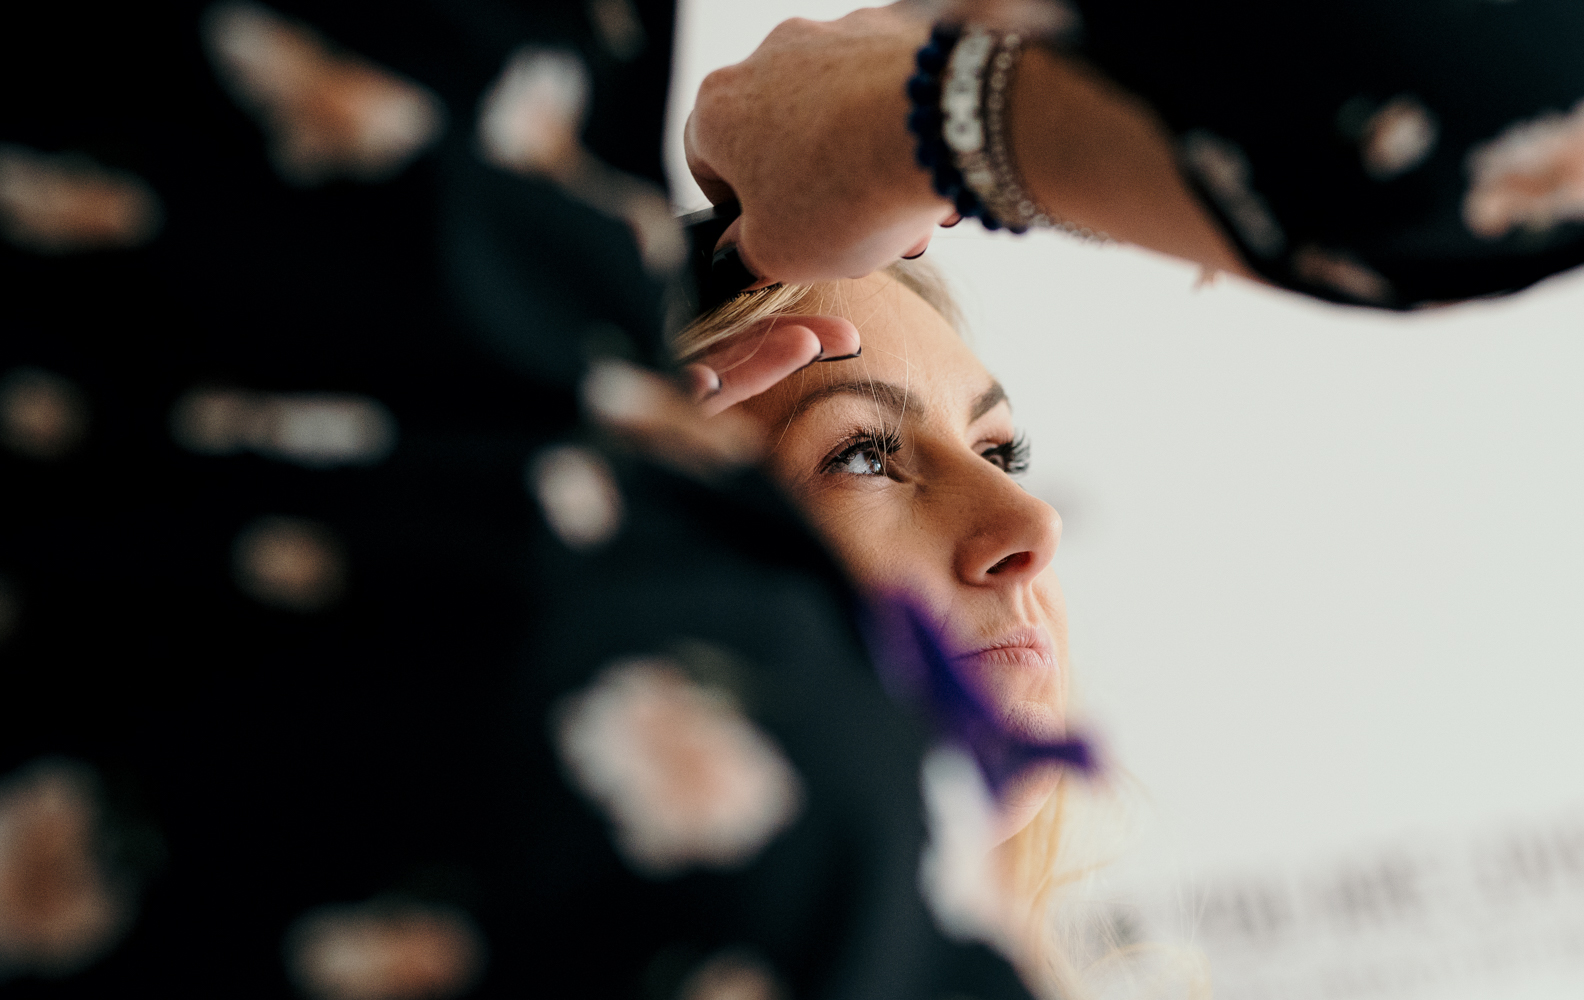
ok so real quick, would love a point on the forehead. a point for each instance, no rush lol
(905, 343)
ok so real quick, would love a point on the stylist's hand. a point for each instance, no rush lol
(755, 360)
(810, 134)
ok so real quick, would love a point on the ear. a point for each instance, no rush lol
(758, 358)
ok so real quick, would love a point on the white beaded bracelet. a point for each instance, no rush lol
(974, 126)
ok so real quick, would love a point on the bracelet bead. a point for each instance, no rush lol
(932, 116)
(959, 114)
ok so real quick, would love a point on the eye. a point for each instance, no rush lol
(865, 460)
(864, 455)
(1011, 457)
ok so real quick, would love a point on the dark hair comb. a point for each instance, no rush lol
(718, 276)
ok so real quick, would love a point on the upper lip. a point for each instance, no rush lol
(1027, 637)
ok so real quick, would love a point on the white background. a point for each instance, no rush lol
(1324, 566)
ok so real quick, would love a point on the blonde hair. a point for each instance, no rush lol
(1078, 942)
(750, 308)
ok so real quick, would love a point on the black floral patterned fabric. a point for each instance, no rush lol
(1387, 154)
(307, 543)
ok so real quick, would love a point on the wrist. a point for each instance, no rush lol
(946, 105)
(960, 116)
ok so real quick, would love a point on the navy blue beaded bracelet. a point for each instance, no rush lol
(925, 121)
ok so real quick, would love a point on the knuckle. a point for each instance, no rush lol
(718, 86)
(792, 27)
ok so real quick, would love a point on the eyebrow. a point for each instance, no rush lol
(987, 401)
(894, 397)
(886, 394)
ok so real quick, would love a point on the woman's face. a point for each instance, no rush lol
(903, 460)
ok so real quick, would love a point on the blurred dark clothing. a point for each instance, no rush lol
(260, 761)
(1364, 152)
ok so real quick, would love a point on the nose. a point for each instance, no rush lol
(1006, 536)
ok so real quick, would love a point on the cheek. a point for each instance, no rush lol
(873, 534)
(1048, 593)
(1052, 603)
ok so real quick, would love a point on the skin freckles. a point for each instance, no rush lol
(904, 460)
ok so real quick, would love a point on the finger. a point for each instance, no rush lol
(834, 338)
(714, 186)
(730, 236)
(715, 189)
(700, 381)
(838, 337)
(761, 363)
(806, 256)
(753, 362)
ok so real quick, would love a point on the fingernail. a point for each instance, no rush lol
(711, 382)
(728, 274)
(841, 357)
(812, 361)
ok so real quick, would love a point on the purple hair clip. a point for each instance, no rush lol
(915, 667)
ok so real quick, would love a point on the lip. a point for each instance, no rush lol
(1030, 647)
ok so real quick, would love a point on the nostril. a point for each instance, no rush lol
(1013, 561)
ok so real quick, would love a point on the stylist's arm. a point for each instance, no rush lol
(810, 134)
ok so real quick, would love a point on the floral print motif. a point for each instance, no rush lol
(578, 493)
(65, 203)
(384, 951)
(290, 563)
(1341, 273)
(685, 777)
(1531, 176)
(532, 118)
(733, 974)
(1397, 138)
(60, 907)
(531, 122)
(327, 113)
(618, 26)
(1224, 172)
(42, 415)
(318, 430)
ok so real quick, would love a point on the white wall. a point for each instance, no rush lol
(1325, 571)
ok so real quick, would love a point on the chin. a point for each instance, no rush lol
(1023, 798)
(1033, 719)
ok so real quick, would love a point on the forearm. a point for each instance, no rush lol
(1097, 157)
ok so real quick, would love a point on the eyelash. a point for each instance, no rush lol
(884, 442)
(1012, 456)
